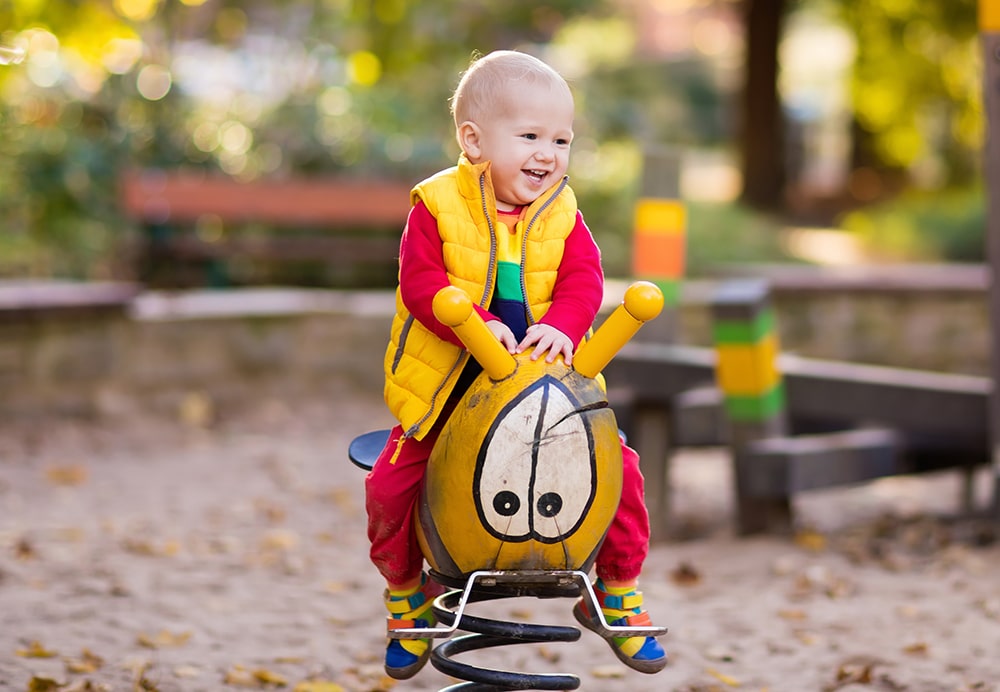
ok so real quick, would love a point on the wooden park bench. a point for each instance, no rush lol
(791, 423)
(205, 229)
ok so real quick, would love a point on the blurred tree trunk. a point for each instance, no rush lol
(762, 126)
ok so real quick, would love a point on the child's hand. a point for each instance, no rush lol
(547, 338)
(503, 334)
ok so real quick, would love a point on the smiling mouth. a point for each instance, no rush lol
(535, 175)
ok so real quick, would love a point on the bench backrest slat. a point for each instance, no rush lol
(185, 196)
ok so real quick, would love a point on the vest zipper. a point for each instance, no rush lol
(488, 289)
(524, 248)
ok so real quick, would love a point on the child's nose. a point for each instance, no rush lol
(545, 152)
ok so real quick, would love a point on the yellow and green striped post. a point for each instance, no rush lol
(747, 373)
(746, 346)
(660, 225)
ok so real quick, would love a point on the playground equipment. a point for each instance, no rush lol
(521, 487)
(793, 423)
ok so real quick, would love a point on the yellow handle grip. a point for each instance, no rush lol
(643, 301)
(453, 308)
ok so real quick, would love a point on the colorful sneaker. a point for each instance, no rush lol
(643, 654)
(405, 657)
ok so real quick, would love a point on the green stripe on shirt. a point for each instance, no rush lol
(508, 281)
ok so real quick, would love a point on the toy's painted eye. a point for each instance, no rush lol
(549, 505)
(535, 475)
(506, 503)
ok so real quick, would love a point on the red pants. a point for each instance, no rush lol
(393, 490)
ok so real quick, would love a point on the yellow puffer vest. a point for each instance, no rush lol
(421, 369)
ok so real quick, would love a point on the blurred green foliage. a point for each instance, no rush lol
(919, 226)
(916, 84)
(360, 88)
(337, 87)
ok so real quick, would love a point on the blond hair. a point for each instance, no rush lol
(485, 85)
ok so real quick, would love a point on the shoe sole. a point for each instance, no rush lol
(407, 672)
(648, 667)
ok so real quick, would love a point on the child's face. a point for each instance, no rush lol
(528, 143)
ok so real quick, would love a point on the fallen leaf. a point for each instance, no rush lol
(87, 686)
(806, 637)
(268, 677)
(343, 498)
(857, 670)
(144, 683)
(196, 409)
(88, 662)
(141, 681)
(271, 511)
(317, 686)
(727, 680)
(607, 672)
(163, 639)
(69, 474)
(240, 677)
(547, 654)
(280, 540)
(36, 650)
(811, 540)
(990, 608)
(917, 649)
(141, 546)
(24, 550)
(685, 574)
(335, 586)
(71, 534)
(185, 672)
(40, 684)
(855, 673)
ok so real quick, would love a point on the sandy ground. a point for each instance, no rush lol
(175, 555)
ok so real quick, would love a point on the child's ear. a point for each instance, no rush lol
(468, 139)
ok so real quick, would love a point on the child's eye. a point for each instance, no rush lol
(530, 135)
(562, 142)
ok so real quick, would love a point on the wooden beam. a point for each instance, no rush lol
(907, 400)
(157, 196)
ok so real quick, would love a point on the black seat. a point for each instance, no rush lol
(364, 449)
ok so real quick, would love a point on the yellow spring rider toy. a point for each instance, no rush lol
(520, 488)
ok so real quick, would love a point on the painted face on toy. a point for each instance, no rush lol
(534, 477)
(526, 474)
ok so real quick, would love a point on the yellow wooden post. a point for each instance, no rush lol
(660, 225)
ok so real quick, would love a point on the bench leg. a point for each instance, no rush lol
(755, 514)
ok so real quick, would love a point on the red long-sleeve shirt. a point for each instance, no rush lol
(576, 296)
